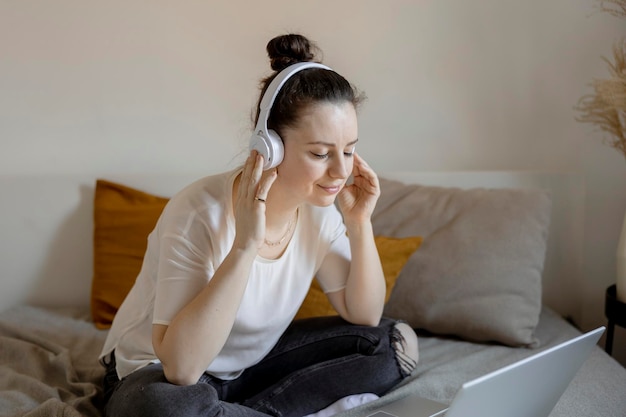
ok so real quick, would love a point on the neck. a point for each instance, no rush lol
(278, 215)
(285, 235)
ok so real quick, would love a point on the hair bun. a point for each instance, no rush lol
(286, 50)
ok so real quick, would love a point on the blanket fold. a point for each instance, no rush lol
(40, 372)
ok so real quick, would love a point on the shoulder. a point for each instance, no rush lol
(210, 188)
(206, 192)
(204, 199)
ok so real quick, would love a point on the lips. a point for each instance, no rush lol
(333, 189)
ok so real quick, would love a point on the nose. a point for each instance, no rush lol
(339, 167)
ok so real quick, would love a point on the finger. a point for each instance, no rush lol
(360, 162)
(366, 170)
(359, 170)
(245, 176)
(355, 166)
(366, 179)
(257, 172)
(267, 180)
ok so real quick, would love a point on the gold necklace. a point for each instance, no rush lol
(282, 239)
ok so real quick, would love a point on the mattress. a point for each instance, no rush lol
(49, 366)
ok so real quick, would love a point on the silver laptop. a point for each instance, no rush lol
(530, 387)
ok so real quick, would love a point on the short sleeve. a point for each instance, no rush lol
(333, 272)
(184, 267)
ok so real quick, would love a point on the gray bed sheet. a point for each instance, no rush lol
(598, 389)
(48, 367)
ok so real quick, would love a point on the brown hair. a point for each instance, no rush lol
(309, 86)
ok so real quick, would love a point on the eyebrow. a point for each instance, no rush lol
(319, 142)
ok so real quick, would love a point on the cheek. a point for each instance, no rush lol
(303, 166)
(295, 171)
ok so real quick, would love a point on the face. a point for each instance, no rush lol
(318, 154)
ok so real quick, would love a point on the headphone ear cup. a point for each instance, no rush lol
(278, 149)
(270, 147)
(266, 141)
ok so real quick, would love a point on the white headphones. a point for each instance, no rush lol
(266, 141)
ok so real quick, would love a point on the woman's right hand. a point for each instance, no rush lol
(254, 186)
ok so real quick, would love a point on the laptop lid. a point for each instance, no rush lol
(530, 387)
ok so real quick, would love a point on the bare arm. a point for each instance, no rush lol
(363, 298)
(198, 332)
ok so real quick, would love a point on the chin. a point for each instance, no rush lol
(324, 202)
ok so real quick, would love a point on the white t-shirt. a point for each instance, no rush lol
(191, 239)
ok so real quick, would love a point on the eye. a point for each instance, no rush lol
(348, 154)
(320, 156)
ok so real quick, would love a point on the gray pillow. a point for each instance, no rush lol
(478, 273)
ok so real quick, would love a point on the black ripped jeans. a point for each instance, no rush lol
(316, 362)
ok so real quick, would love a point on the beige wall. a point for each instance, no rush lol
(156, 86)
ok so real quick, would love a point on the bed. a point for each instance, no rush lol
(496, 277)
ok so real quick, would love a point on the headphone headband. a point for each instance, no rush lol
(272, 90)
(266, 141)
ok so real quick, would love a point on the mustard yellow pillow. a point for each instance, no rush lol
(393, 252)
(123, 219)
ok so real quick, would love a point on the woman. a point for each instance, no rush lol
(208, 326)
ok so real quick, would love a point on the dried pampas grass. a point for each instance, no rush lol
(614, 7)
(606, 108)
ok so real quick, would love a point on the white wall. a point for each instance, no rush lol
(158, 86)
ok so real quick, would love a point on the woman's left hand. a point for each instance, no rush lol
(357, 200)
